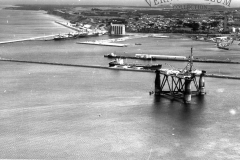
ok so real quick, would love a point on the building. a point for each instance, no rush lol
(235, 30)
(117, 29)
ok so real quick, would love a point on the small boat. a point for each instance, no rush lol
(159, 36)
(225, 48)
(111, 55)
(222, 46)
(70, 35)
(116, 62)
(59, 37)
(225, 44)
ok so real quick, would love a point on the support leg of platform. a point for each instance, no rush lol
(202, 84)
(187, 92)
(157, 83)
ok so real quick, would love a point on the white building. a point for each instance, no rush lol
(235, 29)
(117, 29)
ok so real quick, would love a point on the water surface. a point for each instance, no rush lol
(82, 113)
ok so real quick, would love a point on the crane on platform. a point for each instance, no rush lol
(185, 72)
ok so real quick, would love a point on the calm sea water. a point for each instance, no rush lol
(16, 24)
(82, 113)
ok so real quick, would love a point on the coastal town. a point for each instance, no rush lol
(212, 23)
(164, 19)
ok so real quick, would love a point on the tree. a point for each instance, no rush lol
(136, 18)
(179, 22)
(195, 26)
(237, 30)
(214, 23)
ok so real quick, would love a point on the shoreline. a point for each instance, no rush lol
(48, 9)
(51, 10)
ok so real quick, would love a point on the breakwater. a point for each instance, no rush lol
(104, 44)
(222, 76)
(106, 67)
(171, 58)
(73, 65)
(49, 37)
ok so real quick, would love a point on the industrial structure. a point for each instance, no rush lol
(177, 83)
(117, 29)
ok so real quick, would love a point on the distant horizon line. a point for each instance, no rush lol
(101, 5)
(119, 5)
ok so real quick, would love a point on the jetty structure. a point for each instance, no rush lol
(108, 42)
(62, 36)
(48, 37)
(169, 58)
(177, 83)
(104, 44)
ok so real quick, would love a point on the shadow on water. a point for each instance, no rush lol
(179, 115)
(197, 102)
